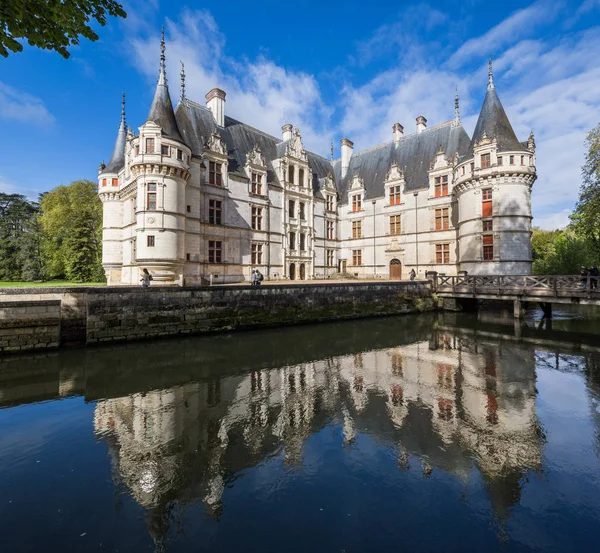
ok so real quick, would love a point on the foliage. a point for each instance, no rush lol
(586, 217)
(52, 24)
(560, 252)
(17, 224)
(72, 223)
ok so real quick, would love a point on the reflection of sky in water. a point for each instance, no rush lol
(408, 433)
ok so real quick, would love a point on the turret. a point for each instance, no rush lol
(493, 188)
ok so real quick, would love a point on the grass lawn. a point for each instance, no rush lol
(49, 283)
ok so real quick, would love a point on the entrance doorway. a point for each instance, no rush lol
(302, 271)
(292, 271)
(343, 266)
(395, 269)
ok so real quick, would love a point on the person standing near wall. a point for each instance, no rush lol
(146, 278)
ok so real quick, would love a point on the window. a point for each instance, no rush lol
(500, 161)
(485, 161)
(488, 247)
(330, 235)
(256, 183)
(395, 224)
(103, 182)
(442, 254)
(441, 186)
(301, 177)
(215, 212)
(302, 211)
(356, 202)
(187, 256)
(356, 229)
(257, 218)
(486, 202)
(150, 241)
(302, 242)
(137, 149)
(330, 258)
(463, 169)
(149, 145)
(488, 226)
(292, 240)
(179, 154)
(215, 173)
(357, 257)
(394, 195)
(151, 196)
(215, 249)
(115, 182)
(442, 221)
(164, 150)
(257, 254)
(472, 167)
(291, 174)
(522, 160)
(329, 202)
(292, 209)
(512, 160)
(189, 208)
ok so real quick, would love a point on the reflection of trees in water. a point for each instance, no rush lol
(447, 402)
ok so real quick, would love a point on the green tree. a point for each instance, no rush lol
(72, 224)
(586, 217)
(564, 255)
(52, 24)
(31, 255)
(16, 215)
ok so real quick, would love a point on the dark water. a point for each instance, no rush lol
(416, 433)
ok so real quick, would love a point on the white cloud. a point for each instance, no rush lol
(6, 186)
(16, 105)
(553, 221)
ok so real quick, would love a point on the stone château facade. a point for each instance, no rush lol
(198, 196)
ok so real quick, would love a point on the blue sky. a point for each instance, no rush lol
(335, 68)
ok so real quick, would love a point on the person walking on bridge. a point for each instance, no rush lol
(584, 275)
(594, 273)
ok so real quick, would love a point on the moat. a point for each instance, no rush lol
(432, 432)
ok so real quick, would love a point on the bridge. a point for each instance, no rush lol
(521, 289)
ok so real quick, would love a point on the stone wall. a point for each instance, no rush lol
(27, 325)
(92, 315)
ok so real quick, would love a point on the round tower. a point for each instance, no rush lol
(493, 188)
(160, 167)
(109, 184)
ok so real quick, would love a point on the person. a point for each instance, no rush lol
(595, 273)
(584, 274)
(412, 274)
(259, 277)
(253, 278)
(146, 278)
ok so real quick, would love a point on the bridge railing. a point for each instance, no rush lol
(518, 285)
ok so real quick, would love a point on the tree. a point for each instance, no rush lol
(72, 223)
(31, 255)
(52, 24)
(586, 217)
(563, 255)
(16, 215)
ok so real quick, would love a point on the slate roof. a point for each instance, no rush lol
(413, 154)
(494, 123)
(117, 160)
(161, 110)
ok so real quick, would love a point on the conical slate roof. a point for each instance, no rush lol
(493, 123)
(117, 160)
(161, 110)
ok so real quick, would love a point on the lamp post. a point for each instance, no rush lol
(374, 248)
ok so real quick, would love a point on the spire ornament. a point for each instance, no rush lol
(123, 110)
(162, 76)
(456, 108)
(490, 75)
(331, 150)
(182, 81)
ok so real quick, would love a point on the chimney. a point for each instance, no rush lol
(215, 101)
(347, 149)
(421, 124)
(398, 132)
(287, 132)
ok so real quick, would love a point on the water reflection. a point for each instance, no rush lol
(183, 421)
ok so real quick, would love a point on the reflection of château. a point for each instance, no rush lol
(450, 402)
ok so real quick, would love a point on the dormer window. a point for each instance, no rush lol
(441, 186)
(356, 202)
(522, 160)
(485, 161)
(137, 149)
(256, 183)
(512, 160)
(394, 195)
(500, 161)
(301, 177)
(291, 174)
(179, 155)
(164, 150)
(115, 182)
(329, 202)
(149, 145)
(215, 173)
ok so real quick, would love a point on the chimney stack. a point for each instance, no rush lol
(287, 132)
(215, 101)
(347, 149)
(421, 124)
(398, 132)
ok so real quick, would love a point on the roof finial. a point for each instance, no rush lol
(490, 74)
(182, 82)
(456, 107)
(123, 109)
(331, 149)
(162, 77)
